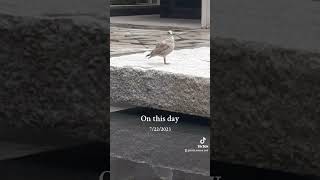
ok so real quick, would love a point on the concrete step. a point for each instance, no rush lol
(183, 85)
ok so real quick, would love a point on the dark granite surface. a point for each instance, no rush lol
(135, 149)
(265, 107)
(53, 74)
(82, 162)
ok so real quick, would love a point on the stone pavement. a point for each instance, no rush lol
(154, 20)
(126, 40)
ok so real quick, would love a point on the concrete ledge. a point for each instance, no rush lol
(266, 106)
(53, 74)
(181, 86)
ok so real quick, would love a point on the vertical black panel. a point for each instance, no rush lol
(190, 9)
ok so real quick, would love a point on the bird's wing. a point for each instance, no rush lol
(160, 47)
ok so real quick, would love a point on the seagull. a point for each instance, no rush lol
(163, 48)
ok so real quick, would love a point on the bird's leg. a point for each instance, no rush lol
(164, 59)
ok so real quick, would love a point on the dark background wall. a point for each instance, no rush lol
(127, 2)
(188, 9)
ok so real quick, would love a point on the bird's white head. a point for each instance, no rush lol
(170, 32)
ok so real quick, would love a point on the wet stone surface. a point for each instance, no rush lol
(130, 170)
(131, 40)
(132, 141)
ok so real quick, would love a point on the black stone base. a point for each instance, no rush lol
(127, 10)
(187, 9)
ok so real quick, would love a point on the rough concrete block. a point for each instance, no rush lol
(181, 86)
(266, 106)
(53, 74)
